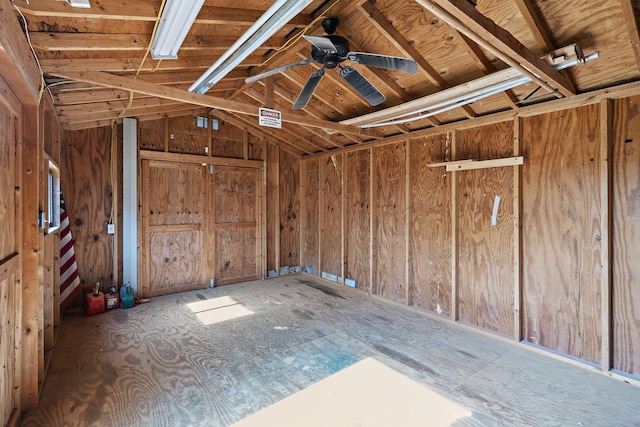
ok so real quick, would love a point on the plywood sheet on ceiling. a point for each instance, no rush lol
(331, 214)
(430, 226)
(485, 263)
(560, 218)
(389, 210)
(357, 217)
(626, 234)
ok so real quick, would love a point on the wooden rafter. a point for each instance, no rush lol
(487, 67)
(141, 11)
(376, 18)
(465, 18)
(536, 25)
(82, 42)
(119, 82)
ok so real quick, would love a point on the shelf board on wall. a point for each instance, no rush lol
(469, 164)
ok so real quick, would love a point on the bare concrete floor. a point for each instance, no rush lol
(296, 351)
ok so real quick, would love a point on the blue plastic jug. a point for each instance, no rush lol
(126, 296)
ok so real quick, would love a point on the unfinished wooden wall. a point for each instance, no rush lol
(626, 226)
(430, 226)
(289, 197)
(87, 190)
(485, 244)
(534, 252)
(561, 224)
(309, 216)
(10, 295)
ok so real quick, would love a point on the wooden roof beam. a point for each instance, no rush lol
(54, 42)
(144, 11)
(118, 82)
(486, 66)
(462, 16)
(376, 18)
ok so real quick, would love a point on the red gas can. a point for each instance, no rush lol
(94, 304)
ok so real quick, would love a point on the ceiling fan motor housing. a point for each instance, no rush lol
(332, 59)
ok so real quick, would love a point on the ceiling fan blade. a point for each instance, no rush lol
(384, 61)
(362, 85)
(277, 70)
(308, 89)
(321, 43)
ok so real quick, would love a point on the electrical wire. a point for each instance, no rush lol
(43, 85)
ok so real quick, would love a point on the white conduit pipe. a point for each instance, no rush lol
(474, 96)
(275, 8)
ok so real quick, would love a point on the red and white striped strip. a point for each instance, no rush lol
(69, 278)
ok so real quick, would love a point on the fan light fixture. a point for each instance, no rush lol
(281, 12)
(176, 21)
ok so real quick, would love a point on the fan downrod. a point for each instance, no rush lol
(330, 25)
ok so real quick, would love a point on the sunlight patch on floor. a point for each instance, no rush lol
(367, 394)
(217, 310)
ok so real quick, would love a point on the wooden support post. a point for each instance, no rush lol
(343, 233)
(320, 216)
(517, 233)
(263, 218)
(276, 211)
(407, 220)
(372, 227)
(606, 224)
(245, 144)
(31, 247)
(115, 208)
(453, 175)
(166, 134)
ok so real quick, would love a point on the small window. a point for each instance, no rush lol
(53, 191)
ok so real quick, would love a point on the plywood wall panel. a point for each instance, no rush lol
(331, 214)
(236, 254)
(485, 263)
(185, 137)
(389, 210)
(227, 141)
(560, 228)
(309, 218)
(626, 235)
(235, 195)
(289, 209)
(357, 216)
(86, 188)
(178, 194)
(151, 135)
(175, 260)
(7, 183)
(430, 227)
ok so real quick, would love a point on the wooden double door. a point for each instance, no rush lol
(201, 225)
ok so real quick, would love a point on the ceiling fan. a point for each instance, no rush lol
(330, 51)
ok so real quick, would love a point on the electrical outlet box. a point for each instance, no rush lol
(111, 228)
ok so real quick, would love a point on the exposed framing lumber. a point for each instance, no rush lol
(536, 25)
(606, 226)
(633, 27)
(392, 34)
(198, 159)
(465, 18)
(18, 66)
(465, 165)
(517, 233)
(455, 224)
(241, 122)
(80, 42)
(8, 266)
(114, 10)
(118, 82)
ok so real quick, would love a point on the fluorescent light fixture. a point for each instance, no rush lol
(273, 19)
(176, 21)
